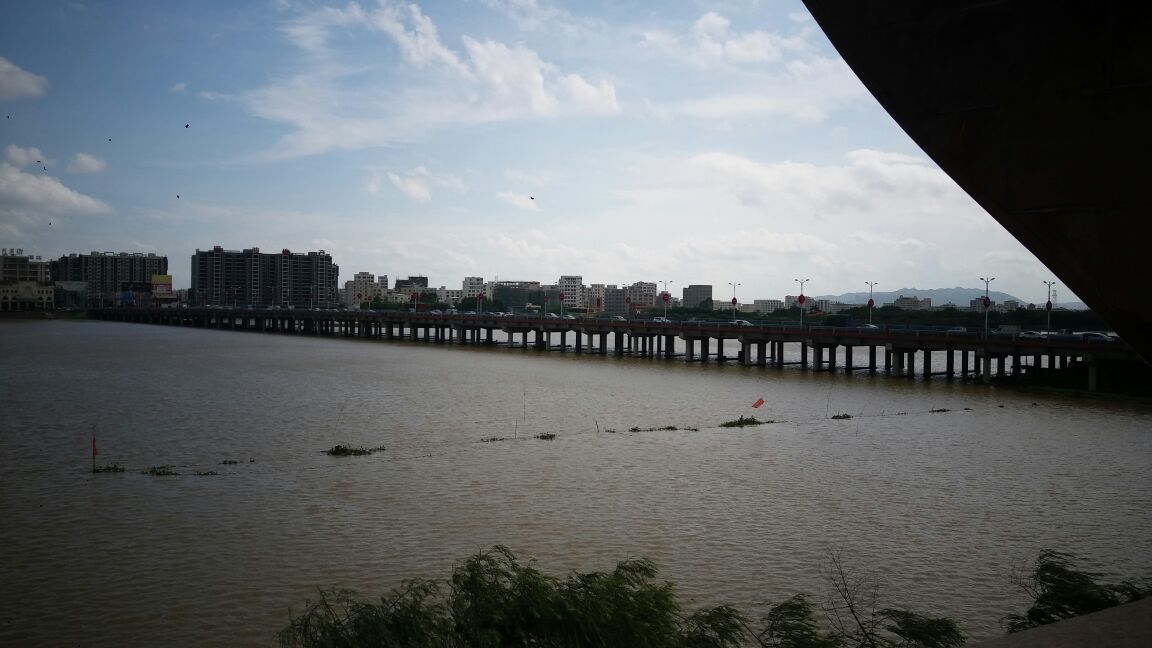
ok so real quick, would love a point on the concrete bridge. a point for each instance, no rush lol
(819, 348)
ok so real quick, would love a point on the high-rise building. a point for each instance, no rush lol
(412, 284)
(250, 278)
(594, 298)
(643, 295)
(572, 289)
(473, 286)
(695, 294)
(109, 273)
(364, 287)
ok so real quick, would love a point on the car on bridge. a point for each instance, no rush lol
(661, 320)
(741, 322)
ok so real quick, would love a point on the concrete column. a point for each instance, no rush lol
(579, 342)
(669, 345)
(872, 358)
(619, 343)
(950, 359)
(1000, 366)
(719, 349)
(1093, 377)
(848, 359)
(690, 349)
(927, 364)
(964, 363)
(986, 369)
(831, 358)
(704, 344)
(818, 357)
(804, 354)
(887, 360)
(897, 362)
(761, 358)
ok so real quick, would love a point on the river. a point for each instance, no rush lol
(939, 506)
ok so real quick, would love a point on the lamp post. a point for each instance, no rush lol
(987, 302)
(664, 295)
(1048, 307)
(800, 300)
(871, 285)
(733, 284)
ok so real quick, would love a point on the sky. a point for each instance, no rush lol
(689, 142)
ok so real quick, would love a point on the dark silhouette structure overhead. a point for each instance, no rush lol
(1042, 112)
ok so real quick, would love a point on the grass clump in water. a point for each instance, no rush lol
(109, 468)
(744, 421)
(546, 436)
(160, 471)
(341, 450)
(841, 417)
(205, 473)
(939, 410)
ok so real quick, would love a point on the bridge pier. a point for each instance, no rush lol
(927, 365)
(804, 354)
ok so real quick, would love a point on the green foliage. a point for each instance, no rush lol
(493, 600)
(1060, 591)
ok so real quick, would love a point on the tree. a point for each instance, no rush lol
(1060, 591)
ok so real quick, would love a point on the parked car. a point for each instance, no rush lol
(1093, 336)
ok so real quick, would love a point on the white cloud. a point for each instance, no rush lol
(179, 88)
(28, 200)
(805, 91)
(418, 183)
(16, 83)
(519, 200)
(22, 157)
(332, 104)
(712, 42)
(86, 163)
(415, 35)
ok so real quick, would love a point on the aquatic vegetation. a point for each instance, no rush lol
(109, 468)
(160, 471)
(492, 439)
(841, 417)
(205, 473)
(939, 410)
(546, 436)
(340, 450)
(744, 421)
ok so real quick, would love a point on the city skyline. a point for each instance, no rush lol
(700, 143)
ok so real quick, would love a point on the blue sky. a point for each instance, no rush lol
(697, 142)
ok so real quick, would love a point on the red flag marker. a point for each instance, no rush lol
(758, 403)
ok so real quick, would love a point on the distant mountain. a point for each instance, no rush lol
(939, 296)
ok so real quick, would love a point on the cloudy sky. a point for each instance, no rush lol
(696, 142)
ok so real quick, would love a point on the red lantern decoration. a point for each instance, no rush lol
(801, 299)
(871, 303)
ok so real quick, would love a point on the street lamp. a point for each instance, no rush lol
(733, 284)
(664, 295)
(987, 302)
(1048, 307)
(800, 300)
(871, 285)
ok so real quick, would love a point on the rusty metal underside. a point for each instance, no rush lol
(1042, 112)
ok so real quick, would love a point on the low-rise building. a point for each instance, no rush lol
(24, 282)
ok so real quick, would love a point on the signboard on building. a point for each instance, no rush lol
(161, 284)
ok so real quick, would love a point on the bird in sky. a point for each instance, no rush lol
(177, 196)
(531, 198)
(186, 125)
